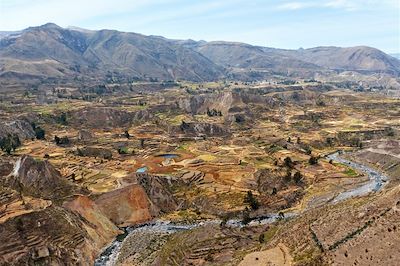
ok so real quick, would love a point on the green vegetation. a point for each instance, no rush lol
(288, 176)
(313, 160)
(61, 141)
(10, 143)
(288, 162)
(213, 112)
(246, 216)
(297, 177)
(270, 233)
(350, 172)
(62, 119)
(127, 135)
(311, 256)
(251, 200)
(39, 132)
(123, 150)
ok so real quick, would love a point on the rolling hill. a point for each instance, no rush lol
(52, 52)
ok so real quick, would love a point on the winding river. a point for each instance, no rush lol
(375, 183)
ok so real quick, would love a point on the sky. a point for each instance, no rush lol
(280, 23)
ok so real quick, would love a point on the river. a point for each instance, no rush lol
(375, 183)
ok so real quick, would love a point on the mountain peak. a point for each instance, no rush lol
(50, 25)
(88, 53)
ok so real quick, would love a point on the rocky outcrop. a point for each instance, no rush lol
(85, 135)
(268, 181)
(199, 104)
(54, 236)
(13, 204)
(195, 129)
(94, 152)
(126, 206)
(140, 116)
(157, 189)
(143, 198)
(48, 220)
(39, 179)
(20, 127)
(102, 117)
(99, 227)
(98, 117)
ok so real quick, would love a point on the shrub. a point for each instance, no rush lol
(297, 177)
(251, 200)
(126, 134)
(288, 162)
(62, 119)
(313, 160)
(62, 141)
(10, 143)
(261, 238)
(40, 133)
(288, 176)
(123, 150)
(246, 216)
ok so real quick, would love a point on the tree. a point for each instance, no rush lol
(313, 160)
(123, 150)
(329, 141)
(297, 177)
(224, 220)
(79, 152)
(15, 142)
(261, 238)
(246, 216)
(390, 132)
(6, 145)
(288, 162)
(40, 133)
(288, 176)
(251, 200)
(142, 143)
(61, 141)
(10, 143)
(126, 134)
(62, 119)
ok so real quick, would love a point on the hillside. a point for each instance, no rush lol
(49, 52)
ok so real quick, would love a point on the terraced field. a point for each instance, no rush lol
(248, 164)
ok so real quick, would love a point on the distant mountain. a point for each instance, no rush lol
(396, 55)
(245, 56)
(7, 33)
(359, 58)
(52, 52)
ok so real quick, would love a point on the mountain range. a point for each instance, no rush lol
(52, 52)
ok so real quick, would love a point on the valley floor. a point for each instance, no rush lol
(230, 173)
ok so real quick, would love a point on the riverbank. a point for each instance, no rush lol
(154, 235)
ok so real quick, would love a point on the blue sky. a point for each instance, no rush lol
(280, 23)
